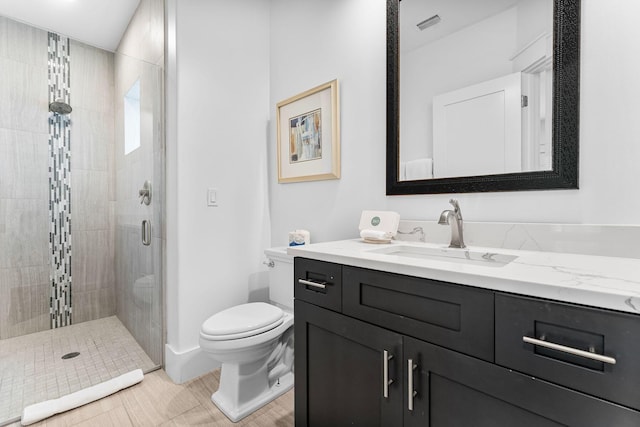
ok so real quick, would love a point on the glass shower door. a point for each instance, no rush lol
(139, 234)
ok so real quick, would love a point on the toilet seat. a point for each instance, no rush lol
(242, 321)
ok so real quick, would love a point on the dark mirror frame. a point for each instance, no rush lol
(566, 114)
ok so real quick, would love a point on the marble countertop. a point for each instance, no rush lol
(597, 281)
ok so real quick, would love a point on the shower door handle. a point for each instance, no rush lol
(146, 232)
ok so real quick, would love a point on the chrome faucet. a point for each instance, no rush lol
(457, 239)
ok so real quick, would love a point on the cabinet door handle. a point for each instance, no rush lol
(411, 393)
(570, 350)
(386, 382)
(312, 284)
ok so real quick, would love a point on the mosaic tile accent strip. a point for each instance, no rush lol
(60, 306)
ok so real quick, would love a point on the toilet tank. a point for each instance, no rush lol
(280, 276)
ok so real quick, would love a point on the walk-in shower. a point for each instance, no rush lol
(81, 296)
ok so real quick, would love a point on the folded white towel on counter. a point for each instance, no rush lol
(419, 169)
(375, 235)
(40, 411)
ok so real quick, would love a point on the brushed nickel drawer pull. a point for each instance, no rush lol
(312, 284)
(570, 350)
(411, 393)
(386, 382)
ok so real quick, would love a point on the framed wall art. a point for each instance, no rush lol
(309, 135)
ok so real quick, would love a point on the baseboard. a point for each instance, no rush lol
(187, 365)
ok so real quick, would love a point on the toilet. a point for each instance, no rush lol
(254, 344)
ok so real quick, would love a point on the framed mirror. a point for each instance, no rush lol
(505, 117)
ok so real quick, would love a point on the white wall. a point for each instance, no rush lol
(313, 42)
(534, 19)
(217, 95)
(609, 152)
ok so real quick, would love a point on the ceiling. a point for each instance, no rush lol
(100, 23)
(454, 14)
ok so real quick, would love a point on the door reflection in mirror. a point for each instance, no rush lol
(475, 88)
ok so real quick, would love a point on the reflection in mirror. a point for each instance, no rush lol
(482, 95)
(475, 93)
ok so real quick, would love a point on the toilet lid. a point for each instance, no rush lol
(243, 320)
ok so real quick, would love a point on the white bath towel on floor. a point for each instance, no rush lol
(40, 411)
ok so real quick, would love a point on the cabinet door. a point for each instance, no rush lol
(340, 371)
(452, 389)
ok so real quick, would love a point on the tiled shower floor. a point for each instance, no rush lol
(32, 369)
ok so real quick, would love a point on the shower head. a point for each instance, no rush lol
(60, 107)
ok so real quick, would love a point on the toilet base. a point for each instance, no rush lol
(235, 414)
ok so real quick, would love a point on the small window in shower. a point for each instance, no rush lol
(132, 118)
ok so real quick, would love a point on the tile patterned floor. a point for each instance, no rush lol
(157, 401)
(31, 368)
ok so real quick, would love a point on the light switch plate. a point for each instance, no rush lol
(212, 197)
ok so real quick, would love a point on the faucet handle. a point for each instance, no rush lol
(145, 193)
(456, 208)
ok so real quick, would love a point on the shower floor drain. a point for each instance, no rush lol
(71, 355)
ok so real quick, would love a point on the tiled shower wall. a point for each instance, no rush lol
(24, 198)
(92, 188)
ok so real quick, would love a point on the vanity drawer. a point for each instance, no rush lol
(318, 282)
(452, 316)
(595, 331)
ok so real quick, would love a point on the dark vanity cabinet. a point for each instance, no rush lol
(453, 389)
(343, 380)
(381, 349)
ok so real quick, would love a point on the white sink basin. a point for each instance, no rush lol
(463, 256)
